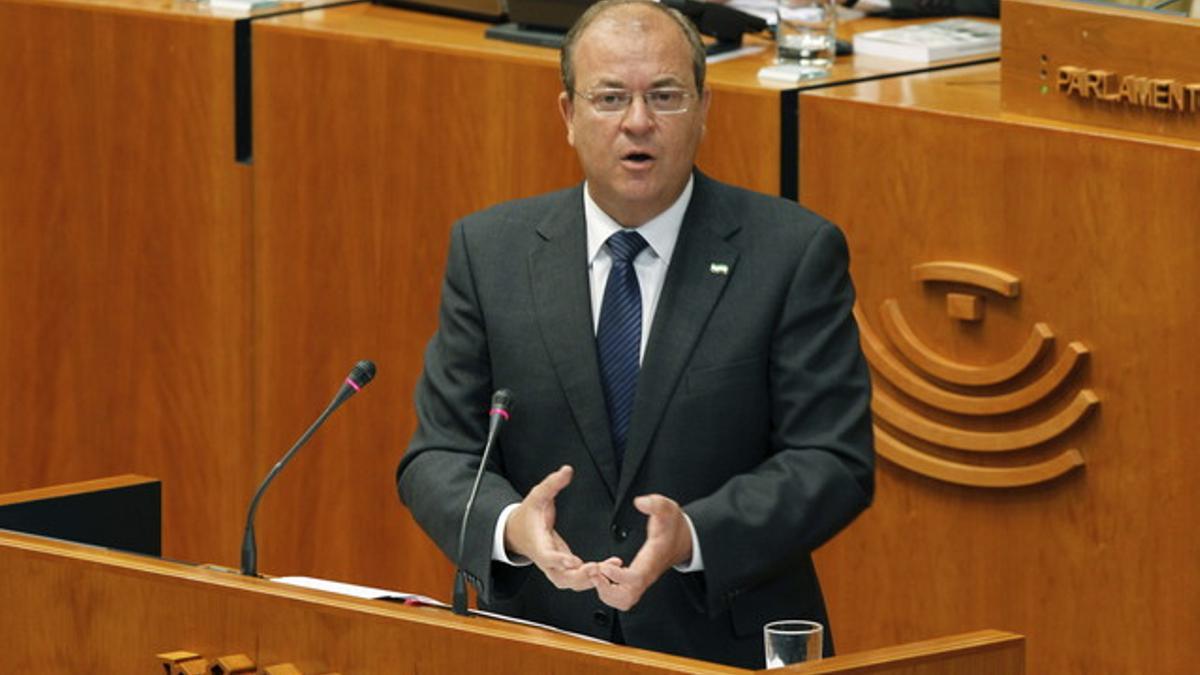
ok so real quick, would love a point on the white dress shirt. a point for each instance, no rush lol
(660, 232)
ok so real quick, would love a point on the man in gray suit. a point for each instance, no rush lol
(661, 487)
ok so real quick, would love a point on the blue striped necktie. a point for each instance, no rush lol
(619, 336)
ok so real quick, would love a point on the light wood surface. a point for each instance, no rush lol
(1082, 542)
(127, 614)
(81, 487)
(985, 652)
(367, 150)
(124, 262)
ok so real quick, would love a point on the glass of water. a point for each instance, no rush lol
(792, 641)
(805, 35)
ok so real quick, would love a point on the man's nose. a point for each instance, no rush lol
(638, 118)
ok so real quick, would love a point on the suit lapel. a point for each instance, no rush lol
(694, 283)
(562, 297)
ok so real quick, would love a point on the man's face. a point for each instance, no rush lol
(636, 161)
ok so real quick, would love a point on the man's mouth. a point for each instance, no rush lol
(637, 158)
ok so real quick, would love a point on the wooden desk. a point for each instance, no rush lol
(752, 136)
(1097, 565)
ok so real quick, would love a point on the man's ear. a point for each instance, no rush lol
(566, 107)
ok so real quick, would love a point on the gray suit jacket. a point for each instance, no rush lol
(752, 411)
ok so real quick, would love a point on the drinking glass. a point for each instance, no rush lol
(805, 35)
(792, 641)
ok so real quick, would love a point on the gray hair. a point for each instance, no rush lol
(567, 55)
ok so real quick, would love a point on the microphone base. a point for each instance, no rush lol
(459, 606)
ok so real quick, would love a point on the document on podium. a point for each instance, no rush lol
(369, 593)
(356, 591)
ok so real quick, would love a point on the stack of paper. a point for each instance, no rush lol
(241, 5)
(949, 39)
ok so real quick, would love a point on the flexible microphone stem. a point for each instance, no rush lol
(496, 417)
(249, 546)
(363, 372)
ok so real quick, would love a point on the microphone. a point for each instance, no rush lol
(363, 372)
(497, 416)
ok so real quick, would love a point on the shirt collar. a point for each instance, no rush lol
(661, 232)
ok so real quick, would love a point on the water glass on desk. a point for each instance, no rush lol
(792, 641)
(805, 35)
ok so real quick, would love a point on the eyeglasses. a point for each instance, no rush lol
(663, 101)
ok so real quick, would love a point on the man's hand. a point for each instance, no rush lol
(668, 543)
(530, 533)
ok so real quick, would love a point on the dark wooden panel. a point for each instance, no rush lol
(122, 512)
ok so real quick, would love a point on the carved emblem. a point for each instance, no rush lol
(1022, 381)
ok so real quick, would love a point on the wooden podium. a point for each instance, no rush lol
(72, 608)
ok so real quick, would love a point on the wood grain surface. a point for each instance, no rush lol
(125, 261)
(1097, 565)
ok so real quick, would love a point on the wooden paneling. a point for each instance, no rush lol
(742, 143)
(1097, 566)
(124, 260)
(367, 151)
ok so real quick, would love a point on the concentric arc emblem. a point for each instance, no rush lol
(918, 373)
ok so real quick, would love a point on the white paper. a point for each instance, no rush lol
(790, 73)
(543, 626)
(355, 591)
(369, 593)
